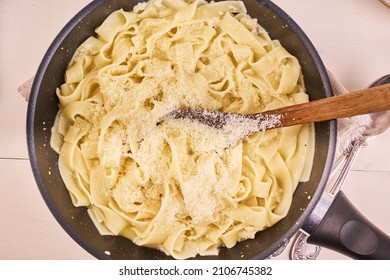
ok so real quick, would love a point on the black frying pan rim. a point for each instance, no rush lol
(30, 123)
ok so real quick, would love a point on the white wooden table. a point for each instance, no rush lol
(352, 37)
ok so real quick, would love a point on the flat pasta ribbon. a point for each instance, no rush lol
(167, 185)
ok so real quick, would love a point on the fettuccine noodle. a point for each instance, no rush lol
(159, 184)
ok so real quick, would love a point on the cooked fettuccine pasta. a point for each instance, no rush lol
(166, 184)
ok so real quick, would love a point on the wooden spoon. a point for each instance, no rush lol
(360, 102)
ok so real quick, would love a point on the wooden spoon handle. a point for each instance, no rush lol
(360, 102)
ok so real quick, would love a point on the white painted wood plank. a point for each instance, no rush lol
(29, 231)
(349, 35)
(352, 37)
(27, 29)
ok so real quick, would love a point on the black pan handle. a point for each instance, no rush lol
(345, 230)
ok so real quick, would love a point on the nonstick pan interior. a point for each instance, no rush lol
(43, 106)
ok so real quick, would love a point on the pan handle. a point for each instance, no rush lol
(345, 230)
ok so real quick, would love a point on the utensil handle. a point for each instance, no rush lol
(350, 159)
(346, 230)
(360, 102)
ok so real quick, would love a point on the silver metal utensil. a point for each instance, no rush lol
(301, 250)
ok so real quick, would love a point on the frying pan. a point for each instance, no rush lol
(309, 206)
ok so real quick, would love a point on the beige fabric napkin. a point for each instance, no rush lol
(348, 129)
(25, 88)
